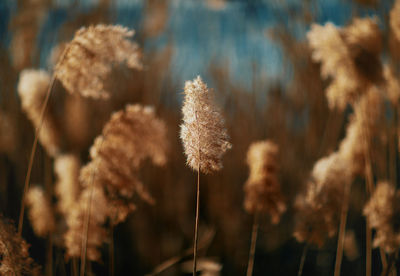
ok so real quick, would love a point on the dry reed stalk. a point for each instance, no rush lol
(96, 48)
(204, 137)
(303, 259)
(250, 263)
(109, 181)
(262, 189)
(342, 229)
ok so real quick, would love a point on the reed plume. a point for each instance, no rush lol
(203, 134)
(15, 259)
(40, 212)
(394, 20)
(262, 188)
(383, 211)
(89, 57)
(318, 209)
(66, 168)
(349, 56)
(109, 181)
(362, 127)
(32, 88)
(204, 137)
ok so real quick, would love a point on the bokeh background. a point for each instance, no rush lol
(255, 56)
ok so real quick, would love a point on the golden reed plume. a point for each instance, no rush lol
(15, 258)
(203, 133)
(383, 211)
(89, 57)
(349, 56)
(110, 180)
(40, 212)
(32, 88)
(262, 188)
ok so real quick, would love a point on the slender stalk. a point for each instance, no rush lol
(196, 222)
(34, 146)
(369, 248)
(303, 259)
(342, 229)
(389, 267)
(32, 156)
(111, 252)
(86, 222)
(204, 243)
(254, 232)
(74, 268)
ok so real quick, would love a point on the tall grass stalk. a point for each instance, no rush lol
(196, 226)
(303, 259)
(342, 229)
(32, 155)
(253, 243)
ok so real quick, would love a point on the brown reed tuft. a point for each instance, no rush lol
(89, 57)
(349, 56)
(203, 133)
(40, 212)
(262, 188)
(383, 211)
(129, 137)
(395, 20)
(318, 209)
(66, 168)
(360, 130)
(14, 253)
(32, 88)
(392, 85)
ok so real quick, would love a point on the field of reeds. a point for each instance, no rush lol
(199, 138)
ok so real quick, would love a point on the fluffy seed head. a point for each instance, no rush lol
(89, 58)
(129, 137)
(40, 212)
(318, 209)
(262, 187)
(204, 137)
(66, 168)
(383, 211)
(14, 253)
(32, 89)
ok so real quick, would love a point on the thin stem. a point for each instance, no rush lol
(87, 221)
(32, 156)
(111, 252)
(74, 264)
(342, 229)
(389, 267)
(196, 223)
(369, 248)
(35, 141)
(303, 259)
(204, 243)
(252, 253)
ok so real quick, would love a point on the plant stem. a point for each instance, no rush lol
(303, 259)
(111, 252)
(32, 156)
(342, 229)
(389, 267)
(196, 222)
(253, 244)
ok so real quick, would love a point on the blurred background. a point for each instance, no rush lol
(254, 54)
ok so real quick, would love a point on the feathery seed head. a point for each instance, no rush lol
(89, 58)
(203, 133)
(40, 212)
(262, 187)
(32, 89)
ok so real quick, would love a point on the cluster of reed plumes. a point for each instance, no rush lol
(106, 185)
